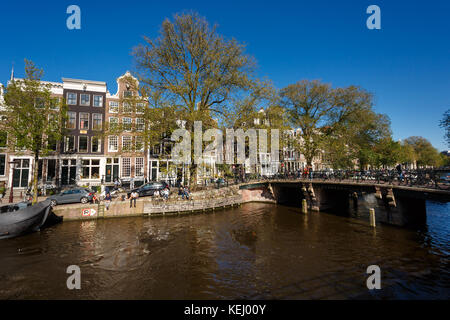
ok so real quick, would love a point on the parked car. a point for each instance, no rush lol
(149, 188)
(220, 182)
(74, 195)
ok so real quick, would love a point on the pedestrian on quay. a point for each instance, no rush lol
(165, 193)
(107, 200)
(133, 196)
(186, 193)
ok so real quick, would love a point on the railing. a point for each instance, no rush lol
(426, 178)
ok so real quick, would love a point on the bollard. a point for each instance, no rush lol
(304, 206)
(372, 217)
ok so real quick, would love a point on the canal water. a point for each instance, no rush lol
(256, 251)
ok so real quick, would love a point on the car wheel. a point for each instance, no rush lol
(53, 203)
(84, 200)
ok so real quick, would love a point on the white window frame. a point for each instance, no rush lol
(116, 143)
(114, 107)
(90, 166)
(66, 140)
(130, 138)
(101, 100)
(136, 142)
(88, 119)
(68, 100)
(126, 164)
(87, 144)
(69, 113)
(138, 124)
(131, 124)
(89, 100)
(101, 121)
(125, 106)
(99, 145)
(139, 167)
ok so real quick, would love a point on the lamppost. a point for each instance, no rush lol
(11, 191)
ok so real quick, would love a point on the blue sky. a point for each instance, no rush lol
(406, 64)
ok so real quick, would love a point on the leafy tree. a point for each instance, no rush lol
(320, 111)
(387, 152)
(33, 119)
(445, 124)
(425, 153)
(356, 138)
(196, 68)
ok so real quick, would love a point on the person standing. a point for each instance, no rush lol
(134, 195)
(107, 200)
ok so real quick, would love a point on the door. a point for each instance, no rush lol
(68, 172)
(112, 169)
(21, 173)
(154, 171)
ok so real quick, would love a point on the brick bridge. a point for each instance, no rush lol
(400, 203)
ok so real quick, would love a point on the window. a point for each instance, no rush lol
(98, 101)
(96, 121)
(39, 103)
(90, 169)
(139, 143)
(139, 167)
(69, 144)
(126, 167)
(72, 120)
(3, 139)
(51, 144)
(84, 121)
(2, 164)
(140, 124)
(126, 143)
(83, 144)
(85, 99)
(113, 144)
(113, 106)
(126, 123)
(127, 94)
(96, 144)
(113, 122)
(55, 103)
(71, 98)
(140, 107)
(127, 108)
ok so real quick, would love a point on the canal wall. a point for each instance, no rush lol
(199, 202)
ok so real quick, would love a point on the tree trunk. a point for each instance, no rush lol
(35, 177)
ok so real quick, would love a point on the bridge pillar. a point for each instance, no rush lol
(401, 210)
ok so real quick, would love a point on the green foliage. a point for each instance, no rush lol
(196, 69)
(445, 124)
(322, 112)
(32, 119)
(425, 154)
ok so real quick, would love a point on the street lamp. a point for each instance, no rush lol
(11, 194)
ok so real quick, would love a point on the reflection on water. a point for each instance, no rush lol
(257, 251)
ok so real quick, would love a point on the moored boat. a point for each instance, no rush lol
(21, 218)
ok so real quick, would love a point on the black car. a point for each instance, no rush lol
(149, 188)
